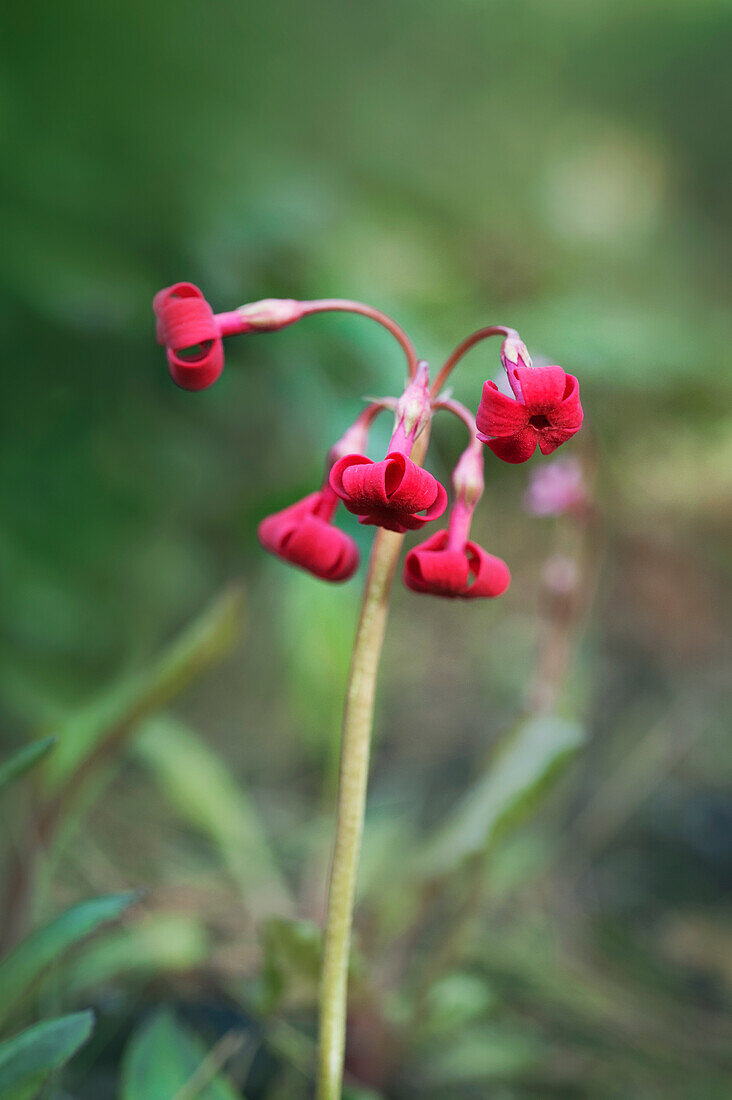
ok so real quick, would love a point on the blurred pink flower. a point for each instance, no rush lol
(556, 488)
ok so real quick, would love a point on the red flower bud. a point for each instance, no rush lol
(546, 410)
(468, 573)
(304, 536)
(394, 493)
(186, 326)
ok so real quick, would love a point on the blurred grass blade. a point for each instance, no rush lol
(29, 1058)
(163, 1058)
(24, 759)
(22, 968)
(527, 761)
(200, 787)
(160, 944)
(127, 702)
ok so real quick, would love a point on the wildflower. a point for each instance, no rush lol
(395, 493)
(448, 563)
(546, 408)
(304, 536)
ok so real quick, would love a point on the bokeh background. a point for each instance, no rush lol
(561, 168)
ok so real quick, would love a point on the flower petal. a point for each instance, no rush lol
(321, 549)
(515, 448)
(415, 489)
(389, 493)
(542, 388)
(568, 413)
(551, 438)
(491, 576)
(299, 536)
(498, 414)
(430, 568)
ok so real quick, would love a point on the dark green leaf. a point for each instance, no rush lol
(27, 1059)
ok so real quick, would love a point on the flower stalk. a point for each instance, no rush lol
(355, 752)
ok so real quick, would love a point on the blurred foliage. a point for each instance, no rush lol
(558, 167)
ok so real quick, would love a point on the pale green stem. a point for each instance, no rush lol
(355, 749)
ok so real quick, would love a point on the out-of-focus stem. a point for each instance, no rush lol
(355, 750)
(345, 305)
(467, 344)
(461, 412)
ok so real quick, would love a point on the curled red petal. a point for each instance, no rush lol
(490, 575)
(188, 329)
(430, 568)
(568, 413)
(197, 374)
(409, 487)
(302, 538)
(498, 414)
(350, 467)
(551, 438)
(515, 448)
(542, 388)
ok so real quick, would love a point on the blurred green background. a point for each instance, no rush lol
(561, 168)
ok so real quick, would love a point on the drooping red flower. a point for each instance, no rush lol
(448, 563)
(395, 493)
(468, 573)
(188, 330)
(546, 410)
(303, 535)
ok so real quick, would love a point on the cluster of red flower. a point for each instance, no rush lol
(396, 493)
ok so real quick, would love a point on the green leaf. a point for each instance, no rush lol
(202, 790)
(163, 943)
(161, 1060)
(99, 725)
(22, 968)
(29, 1058)
(24, 759)
(525, 763)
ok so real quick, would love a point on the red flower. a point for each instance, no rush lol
(303, 535)
(469, 573)
(546, 410)
(187, 328)
(394, 493)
